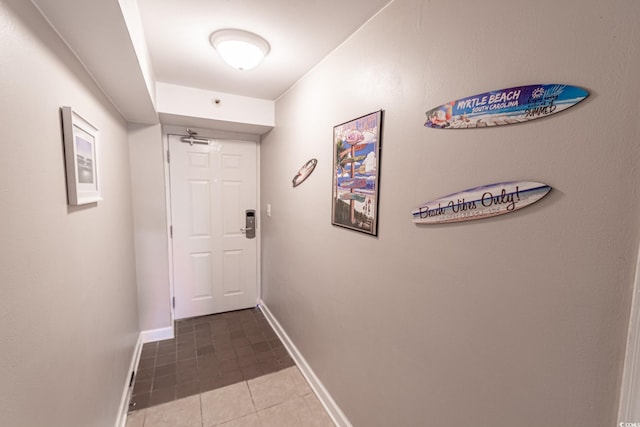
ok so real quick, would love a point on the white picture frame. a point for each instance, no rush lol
(82, 158)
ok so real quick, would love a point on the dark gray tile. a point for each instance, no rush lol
(146, 363)
(223, 344)
(234, 325)
(202, 329)
(186, 338)
(186, 375)
(244, 351)
(187, 389)
(164, 382)
(228, 379)
(144, 374)
(261, 347)
(226, 354)
(280, 351)
(208, 371)
(186, 346)
(206, 384)
(256, 338)
(286, 362)
(229, 365)
(240, 342)
(205, 350)
(207, 360)
(252, 330)
(139, 401)
(265, 356)
(141, 386)
(166, 349)
(186, 365)
(162, 396)
(269, 366)
(149, 349)
(164, 370)
(165, 359)
(188, 354)
(251, 372)
(245, 361)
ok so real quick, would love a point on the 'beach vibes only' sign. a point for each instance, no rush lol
(505, 106)
(480, 202)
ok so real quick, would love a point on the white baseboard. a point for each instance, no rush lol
(337, 416)
(143, 338)
(124, 401)
(160, 334)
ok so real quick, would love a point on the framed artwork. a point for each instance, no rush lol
(82, 158)
(356, 161)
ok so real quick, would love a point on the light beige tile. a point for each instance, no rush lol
(318, 416)
(248, 421)
(179, 413)
(226, 404)
(272, 389)
(136, 419)
(292, 413)
(302, 387)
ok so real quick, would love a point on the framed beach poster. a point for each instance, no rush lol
(356, 161)
(81, 152)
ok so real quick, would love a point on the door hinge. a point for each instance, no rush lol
(174, 302)
(171, 231)
(168, 156)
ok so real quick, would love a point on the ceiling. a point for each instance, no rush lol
(300, 32)
(128, 46)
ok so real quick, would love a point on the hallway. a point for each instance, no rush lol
(530, 319)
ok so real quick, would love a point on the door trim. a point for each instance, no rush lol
(222, 136)
(629, 405)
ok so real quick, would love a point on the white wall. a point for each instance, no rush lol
(68, 316)
(192, 107)
(150, 225)
(516, 320)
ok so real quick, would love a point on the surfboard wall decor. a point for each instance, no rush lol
(481, 202)
(304, 172)
(505, 106)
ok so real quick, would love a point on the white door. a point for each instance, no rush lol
(214, 263)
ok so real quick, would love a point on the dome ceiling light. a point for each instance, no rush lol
(240, 49)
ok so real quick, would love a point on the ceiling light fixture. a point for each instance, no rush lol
(240, 49)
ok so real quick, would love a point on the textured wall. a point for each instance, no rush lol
(516, 320)
(68, 311)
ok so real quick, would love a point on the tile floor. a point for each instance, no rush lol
(279, 399)
(207, 353)
(227, 369)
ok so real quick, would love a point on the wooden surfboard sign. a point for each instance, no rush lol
(353, 183)
(480, 202)
(353, 196)
(505, 106)
(304, 172)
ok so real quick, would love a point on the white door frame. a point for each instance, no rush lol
(629, 407)
(219, 135)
